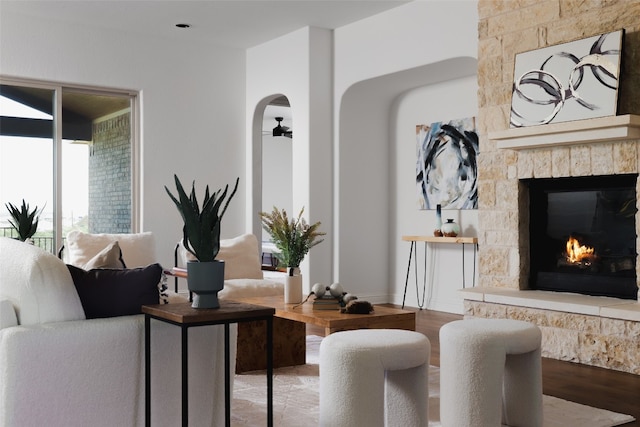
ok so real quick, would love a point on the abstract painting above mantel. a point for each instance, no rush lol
(447, 164)
(566, 82)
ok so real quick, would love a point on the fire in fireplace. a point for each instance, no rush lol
(579, 254)
(582, 235)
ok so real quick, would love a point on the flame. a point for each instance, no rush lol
(576, 252)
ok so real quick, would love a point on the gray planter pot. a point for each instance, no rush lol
(205, 280)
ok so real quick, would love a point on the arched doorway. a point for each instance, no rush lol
(276, 163)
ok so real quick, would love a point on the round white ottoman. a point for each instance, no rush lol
(490, 373)
(374, 377)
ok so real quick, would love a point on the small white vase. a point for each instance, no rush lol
(450, 228)
(293, 286)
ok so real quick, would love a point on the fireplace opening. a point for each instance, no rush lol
(582, 235)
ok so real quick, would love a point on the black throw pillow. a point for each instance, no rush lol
(116, 292)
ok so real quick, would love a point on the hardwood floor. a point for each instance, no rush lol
(598, 387)
(601, 388)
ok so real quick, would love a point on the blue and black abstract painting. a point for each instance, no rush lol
(447, 165)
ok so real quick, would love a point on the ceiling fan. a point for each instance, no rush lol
(281, 130)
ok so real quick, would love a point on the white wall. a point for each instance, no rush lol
(444, 262)
(374, 62)
(276, 173)
(192, 99)
(302, 71)
(378, 61)
(409, 36)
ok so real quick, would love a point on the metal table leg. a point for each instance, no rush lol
(463, 279)
(147, 370)
(413, 253)
(406, 280)
(185, 377)
(227, 378)
(270, 372)
(424, 278)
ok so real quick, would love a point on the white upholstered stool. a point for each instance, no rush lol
(490, 373)
(374, 377)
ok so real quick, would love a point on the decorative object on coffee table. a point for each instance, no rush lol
(293, 238)
(201, 237)
(357, 307)
(24, 221)
(293, 286)
(329, 297)
(326, 302)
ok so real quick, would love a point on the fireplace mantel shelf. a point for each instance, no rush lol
(603, 129)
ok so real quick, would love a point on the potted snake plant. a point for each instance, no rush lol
(23, 220)
(201, 237)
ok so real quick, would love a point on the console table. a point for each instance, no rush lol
(184, 316)
(413, 251)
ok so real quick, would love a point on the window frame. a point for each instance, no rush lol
(57, 89)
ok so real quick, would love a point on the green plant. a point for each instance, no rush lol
(292, 237)
(25, 222)
(201, 231)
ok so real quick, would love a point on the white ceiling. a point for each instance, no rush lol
(233, 23)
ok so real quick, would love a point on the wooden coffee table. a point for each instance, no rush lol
(289, 330)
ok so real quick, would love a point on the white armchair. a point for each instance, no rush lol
(243, 268)
(59, 369)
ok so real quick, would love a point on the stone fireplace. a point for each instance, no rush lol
(596, 330)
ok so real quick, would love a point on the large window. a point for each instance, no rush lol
(71, 152)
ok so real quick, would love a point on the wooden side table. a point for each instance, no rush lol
(433, 239)
(184, 316)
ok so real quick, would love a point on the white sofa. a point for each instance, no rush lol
(58, 368)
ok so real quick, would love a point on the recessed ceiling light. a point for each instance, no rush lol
(183, 25)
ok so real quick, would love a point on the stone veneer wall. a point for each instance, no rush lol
(505, 29)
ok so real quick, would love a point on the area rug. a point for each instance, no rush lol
(296, 399)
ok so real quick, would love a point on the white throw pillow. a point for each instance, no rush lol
(138, 249)
(241, 257)
(37, 283)
(109, 257)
